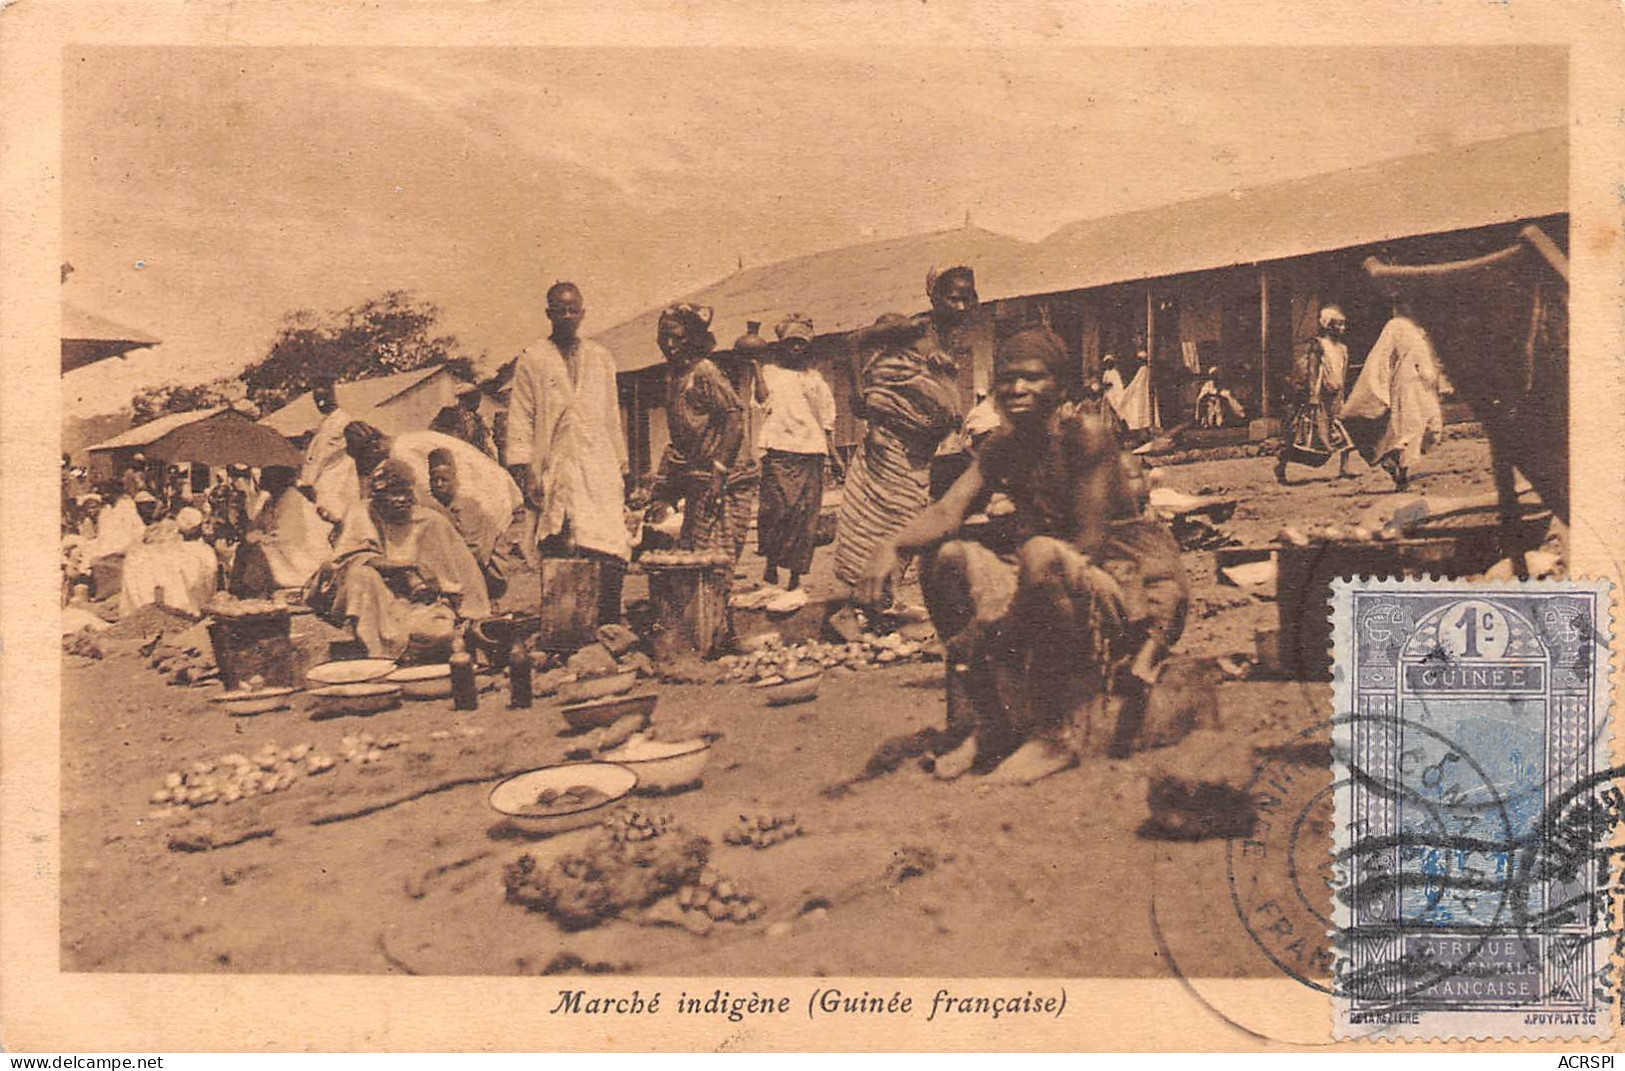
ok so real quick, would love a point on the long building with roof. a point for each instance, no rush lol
(1229, 282)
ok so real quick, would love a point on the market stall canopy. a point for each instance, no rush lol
(88, 338)
(225, 438)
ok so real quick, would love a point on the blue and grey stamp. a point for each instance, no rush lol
(1476, 811)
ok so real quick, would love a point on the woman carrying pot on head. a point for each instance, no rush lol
(706, 466)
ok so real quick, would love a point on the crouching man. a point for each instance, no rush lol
(1080, 605)
(400, 577)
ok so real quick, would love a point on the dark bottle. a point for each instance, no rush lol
(519, 667)
(464, 695)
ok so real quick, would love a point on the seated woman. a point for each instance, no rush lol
(400, 576)
(1085, 600)
(285, 544)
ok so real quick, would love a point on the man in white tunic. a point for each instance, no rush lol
(1393, 413)
(328, 477)
(565, 448)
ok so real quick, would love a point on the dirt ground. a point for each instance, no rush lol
(358, 871)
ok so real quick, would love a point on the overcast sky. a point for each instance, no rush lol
(209, 191)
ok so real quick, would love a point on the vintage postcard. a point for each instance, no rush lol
(853, 526)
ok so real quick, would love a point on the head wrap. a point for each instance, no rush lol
(392, 476)
(935, 280)
(697, 319)
(794, 325)
(1330, 313)
(465, 389)
(1032, 344)
(440, 457)
(190, 519)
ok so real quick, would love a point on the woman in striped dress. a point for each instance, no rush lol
(909, 397)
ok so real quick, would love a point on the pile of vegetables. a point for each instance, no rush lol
(718, 898)
(235, 777)
(633, 860)
(775, 663)
(763, 830)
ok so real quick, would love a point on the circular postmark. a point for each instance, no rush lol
(1351, 913)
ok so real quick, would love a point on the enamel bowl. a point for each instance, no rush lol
(515, 798)
(363, 697)
(423, 682)
(349, 671)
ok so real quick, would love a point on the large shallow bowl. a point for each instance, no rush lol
(796, 691)
(423, 682)
(662, 766)
(515, 798)
(603, 712)
(243, 703)
(365, 697)
(349, 671)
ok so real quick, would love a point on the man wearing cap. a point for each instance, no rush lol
(1083, 601)
(400, 576)
(565, 448)
(463, 420)
(328, 476)
(481, 533)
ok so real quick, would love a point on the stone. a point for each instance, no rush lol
(593, 660)
(617, 639)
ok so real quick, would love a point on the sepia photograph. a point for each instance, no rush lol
(746, 512)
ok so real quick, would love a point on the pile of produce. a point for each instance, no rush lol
(686, 559)
(803, 659)
(236, 776)
(1335, 533)
(763, 830)
(632, 861)
(718, 898)
(364, 749)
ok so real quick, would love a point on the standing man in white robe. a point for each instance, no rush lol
(565, 448)
(1393, 413)
(328, 477)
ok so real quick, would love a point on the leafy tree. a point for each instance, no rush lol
(150, 403)
(379, 337)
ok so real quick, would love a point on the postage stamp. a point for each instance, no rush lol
(1475, 868)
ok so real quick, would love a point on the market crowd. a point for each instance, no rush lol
(1024, 514)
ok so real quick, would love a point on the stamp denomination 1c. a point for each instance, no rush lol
(1475, 866)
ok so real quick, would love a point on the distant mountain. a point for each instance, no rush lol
(79, 434)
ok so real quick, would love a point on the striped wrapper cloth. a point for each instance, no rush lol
(884, 490)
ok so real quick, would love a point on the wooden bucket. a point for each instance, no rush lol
(255, 645)
(689, 604)
(569, 604)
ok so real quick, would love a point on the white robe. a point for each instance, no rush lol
(1400, 380)
(118, 528)
(1135, 404)
(568, 430)
(328, 467)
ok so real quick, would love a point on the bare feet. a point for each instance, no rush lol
(1032, 761)
(956, 762)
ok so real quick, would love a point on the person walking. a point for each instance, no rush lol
(1317, 430)
(1393, 414)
